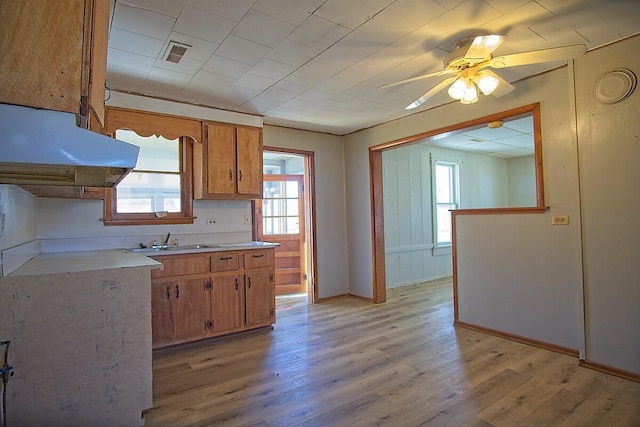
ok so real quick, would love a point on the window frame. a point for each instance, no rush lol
(454, 191)
(187, 131)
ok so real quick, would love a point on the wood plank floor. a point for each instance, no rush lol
(346, 362)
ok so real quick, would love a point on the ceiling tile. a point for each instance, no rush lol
(294, 83)
(279, 94)
(242, 50)
(472, 14)
(142, 21)
(450, 4)
(271, 69)
(530, 12)
(262, 103)
(254, 82)
(203, 25)
(230, 9)
(207, 81)
(405, 16)
(293, 53)
(520, 141)
(523, 125)
(124, 59)
(226, 67)
(166, 7)
(506, 6)
(125, 79)
(293, 12)
(353, 13)
(134, 43)
(262, 29)
(185, 66)
(559, 25)
(318, 32)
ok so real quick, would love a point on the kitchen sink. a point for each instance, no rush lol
(243, 244)
(173, 248)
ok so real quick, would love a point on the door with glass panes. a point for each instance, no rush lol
(280, 218)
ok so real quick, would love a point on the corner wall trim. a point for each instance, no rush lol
(524, 340)
(631, 376)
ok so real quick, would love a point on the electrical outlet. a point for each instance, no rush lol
(247, 219)
(211, 221)
(560, 220)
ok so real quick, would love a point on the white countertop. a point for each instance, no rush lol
(72, 262)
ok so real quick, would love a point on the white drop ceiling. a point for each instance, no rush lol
(317, 64)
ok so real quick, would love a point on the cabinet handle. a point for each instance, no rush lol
(249, 281)
(225, 258)
(239, 175)
(177, 291)
(168, 292)
(257, 256)
(230, 175)
(236, 283)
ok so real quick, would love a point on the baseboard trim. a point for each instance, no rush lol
(360, 298)
(518, 338)
(631, 376)
(333, 297)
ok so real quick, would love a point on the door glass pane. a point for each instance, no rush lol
(280, 207)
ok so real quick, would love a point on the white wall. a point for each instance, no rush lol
(526, 271)
(409, 256)
(609, 147)
(331, 225)
(522, 181)
(17, 216)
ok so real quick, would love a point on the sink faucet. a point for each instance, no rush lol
(166, 241)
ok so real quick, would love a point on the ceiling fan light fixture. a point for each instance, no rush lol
(486, 83)
(458, 88)
(470, 94)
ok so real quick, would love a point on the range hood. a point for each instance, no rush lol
(45, 147)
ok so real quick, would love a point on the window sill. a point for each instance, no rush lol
(149, 221)
(443, 250)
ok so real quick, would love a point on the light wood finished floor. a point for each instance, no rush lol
(346, 362)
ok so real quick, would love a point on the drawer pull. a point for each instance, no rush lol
(177, 291)
(168, 292)
(249, 282)
(236, 283)
(225, 258)
(257, 256)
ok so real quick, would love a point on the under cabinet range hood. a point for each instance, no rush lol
(46, 147)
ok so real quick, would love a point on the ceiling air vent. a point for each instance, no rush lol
(175, 51)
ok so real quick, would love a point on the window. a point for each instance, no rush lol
(281, 207)
(159, 190)
(445, 198)
(154, 185)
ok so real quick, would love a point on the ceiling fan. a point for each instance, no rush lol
(468, 64)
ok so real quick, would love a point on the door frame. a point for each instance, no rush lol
(311, 258)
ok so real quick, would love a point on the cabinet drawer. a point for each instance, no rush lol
(181, 266)
(225, 261)
(257, 258)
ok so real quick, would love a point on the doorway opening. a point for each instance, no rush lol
(285, 215)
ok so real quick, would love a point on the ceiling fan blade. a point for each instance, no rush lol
(413, 79)
(418, 102)
(537, 56)
(504, 87)
(483, 46)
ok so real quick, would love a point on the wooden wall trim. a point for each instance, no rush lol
(377, 227)
(536, 343)
(631, 376)
(146, 123)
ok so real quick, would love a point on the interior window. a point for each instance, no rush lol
(445, 199)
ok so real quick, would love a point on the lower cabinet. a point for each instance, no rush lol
(235, 293)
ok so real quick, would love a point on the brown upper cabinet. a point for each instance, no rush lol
(228, 165)
(54, 56)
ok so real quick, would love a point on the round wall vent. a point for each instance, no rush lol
(614, 86)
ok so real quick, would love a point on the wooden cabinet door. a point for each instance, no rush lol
(98, 69)
(226, 301)
(161, 313)
(221, 160)
(259, 299)
(190, 302)
(249, 157)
